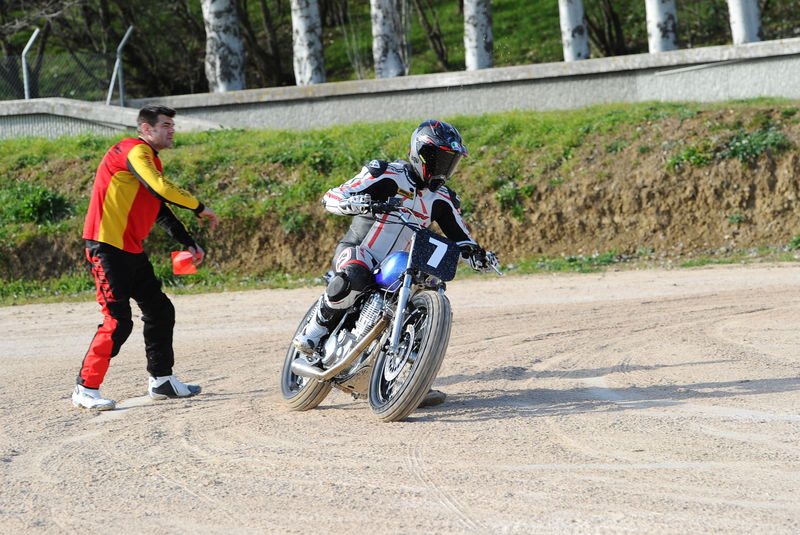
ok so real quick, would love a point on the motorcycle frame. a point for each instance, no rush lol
(304, 368)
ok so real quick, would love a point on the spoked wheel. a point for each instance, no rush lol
(400, 381)
(301, 393)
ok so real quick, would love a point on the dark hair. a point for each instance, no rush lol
(149, 114)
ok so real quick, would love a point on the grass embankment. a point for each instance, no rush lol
(265, 186)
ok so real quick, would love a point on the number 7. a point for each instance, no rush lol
(438, 254)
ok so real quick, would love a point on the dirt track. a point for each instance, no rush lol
(636, 402)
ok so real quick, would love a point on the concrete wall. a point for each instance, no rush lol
(54, 117)
(763, 69)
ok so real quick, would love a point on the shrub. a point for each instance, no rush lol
(25, 202)
(743, 145)
(746, 147)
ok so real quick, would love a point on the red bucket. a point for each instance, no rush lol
(182, 263)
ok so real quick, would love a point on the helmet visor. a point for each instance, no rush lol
(438, 162)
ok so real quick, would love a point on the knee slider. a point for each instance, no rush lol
(353, 278)
(338, 287)
(360, 277)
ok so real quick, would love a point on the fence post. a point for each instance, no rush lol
(25, 82)
(118, 67)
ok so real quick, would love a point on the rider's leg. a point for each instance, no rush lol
(353, 275)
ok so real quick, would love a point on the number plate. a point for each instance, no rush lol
(435, 255)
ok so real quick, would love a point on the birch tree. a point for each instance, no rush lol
(224, 46)
(662, 25)
(574, 32)
(309, 62)
(433, 32)
(389, 37)
(478, 38)
(745, 21)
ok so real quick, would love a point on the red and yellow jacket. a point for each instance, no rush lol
(129, 195)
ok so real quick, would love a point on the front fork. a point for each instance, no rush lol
(400, 311)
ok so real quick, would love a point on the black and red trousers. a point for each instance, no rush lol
(119, 277)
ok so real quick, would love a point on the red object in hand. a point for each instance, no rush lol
(182, 263)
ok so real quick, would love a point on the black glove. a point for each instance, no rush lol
(478, 258)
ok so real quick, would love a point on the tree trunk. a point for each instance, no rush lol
(606, 31)
(478, 38)
(434, 34)
(574, 32)
(357, 59)
(745, 21)
(309, 62)
(224, 47)
(662, 25)
(388, 38)
(269, 69)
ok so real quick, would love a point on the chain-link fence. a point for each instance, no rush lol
(75, 76)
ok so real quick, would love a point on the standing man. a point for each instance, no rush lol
(130, 194)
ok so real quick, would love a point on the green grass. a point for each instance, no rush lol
(248, 176)
(250, 173)
(745, 146)
(80, 287)
(569, 264)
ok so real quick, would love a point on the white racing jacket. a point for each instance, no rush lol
(383, 180)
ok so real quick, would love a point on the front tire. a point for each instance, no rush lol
(399, 382)
(301, 393)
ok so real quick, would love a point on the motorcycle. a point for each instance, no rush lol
(390, 344)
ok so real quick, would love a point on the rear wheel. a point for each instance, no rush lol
(301, 393)
(400, 381)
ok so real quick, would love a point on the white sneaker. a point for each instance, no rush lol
(308, 339)
(90, 398)
(169, 386)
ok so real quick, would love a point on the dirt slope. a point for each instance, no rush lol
(627, 402)
(614, 190)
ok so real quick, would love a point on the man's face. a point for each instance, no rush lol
(160, 135)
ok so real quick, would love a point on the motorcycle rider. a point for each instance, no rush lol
(435, 150)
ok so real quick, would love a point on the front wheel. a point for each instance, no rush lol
(301, 393)
(400, 381)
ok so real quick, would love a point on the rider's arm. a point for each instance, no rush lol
(379, 188)
(447, 214)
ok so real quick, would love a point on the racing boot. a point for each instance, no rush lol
(433, 398)
(310, 338)
(169, 386)
(90, 398)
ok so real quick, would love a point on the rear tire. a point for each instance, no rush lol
(400, 382)
(301, 393)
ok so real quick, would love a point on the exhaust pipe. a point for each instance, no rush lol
(302, 367)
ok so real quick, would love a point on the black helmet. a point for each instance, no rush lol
(435, 151)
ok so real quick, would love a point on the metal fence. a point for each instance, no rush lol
(75, 76)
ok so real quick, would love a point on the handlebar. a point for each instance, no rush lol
(395, 207)
(392, 205)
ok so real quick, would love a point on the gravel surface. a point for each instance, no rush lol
(632, 402)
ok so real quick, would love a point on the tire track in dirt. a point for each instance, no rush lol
(621, 403)
(416, 465)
